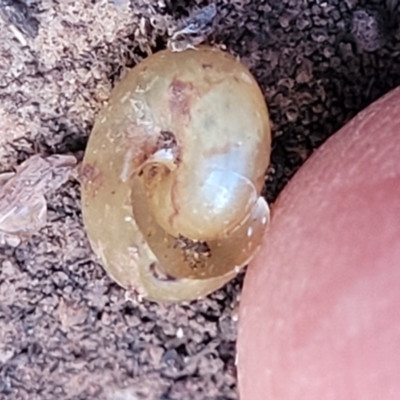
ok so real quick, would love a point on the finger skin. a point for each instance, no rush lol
(320, 309)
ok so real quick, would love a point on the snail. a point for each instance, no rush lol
(172, 175)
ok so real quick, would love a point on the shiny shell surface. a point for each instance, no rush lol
(172, 174)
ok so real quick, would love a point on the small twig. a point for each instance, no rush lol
(19, 16)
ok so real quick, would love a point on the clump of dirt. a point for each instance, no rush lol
(67, 331)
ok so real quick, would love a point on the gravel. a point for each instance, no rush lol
(66, 330)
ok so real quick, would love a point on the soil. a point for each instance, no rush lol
(66, 330)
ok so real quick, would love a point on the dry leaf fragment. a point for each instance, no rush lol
(23, 207)
(193, 30)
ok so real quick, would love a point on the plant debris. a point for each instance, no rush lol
(19, 15)
(193, 30)
(23, 209)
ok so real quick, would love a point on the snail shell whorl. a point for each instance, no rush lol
(173, 172)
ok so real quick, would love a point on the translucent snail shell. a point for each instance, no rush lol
(172, 174)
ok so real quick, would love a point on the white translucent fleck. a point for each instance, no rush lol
(133, 253)
(249, 231)
(126, 167)
(125, 97)
(246, 77)
(235, 317)
(179, 333)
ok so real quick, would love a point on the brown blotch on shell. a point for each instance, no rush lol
(91, 178)
(180, 98)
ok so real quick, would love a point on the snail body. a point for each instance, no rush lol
(172, 174)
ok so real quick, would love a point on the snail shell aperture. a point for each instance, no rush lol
(173, 172)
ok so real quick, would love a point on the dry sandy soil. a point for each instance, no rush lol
(66, 330)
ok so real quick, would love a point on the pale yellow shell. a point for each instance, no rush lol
(173, 172)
